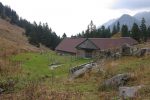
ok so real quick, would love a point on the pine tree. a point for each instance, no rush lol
(87, 33)
(98, 33)
(103, 31)
(1, 9)
(64, 35)
(114, 31)
(108, 32)
(143, 30)
(118, 27)
(91, 26)
(148, 32)
(135, 32)
(124, 31)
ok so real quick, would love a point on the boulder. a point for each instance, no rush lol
(128, 50)
(147, 51)
(117, 80)
(129, 92)
(142, 52)
(117, 55)
(80, 70)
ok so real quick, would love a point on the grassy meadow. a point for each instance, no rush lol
(37, 65)
(34, 79)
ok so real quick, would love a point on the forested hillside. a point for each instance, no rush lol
(13, 40)
(36, 33)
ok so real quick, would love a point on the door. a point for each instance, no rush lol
(88, 54)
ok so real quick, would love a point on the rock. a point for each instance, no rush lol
(127, 50)
(147, 51)
(142, 52)
(1, 90)
(117, 55)
(137, 53)
(129, 92)
(79, 70)
(118, 80)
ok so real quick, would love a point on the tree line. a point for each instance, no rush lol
(93, 32)
(37, 33)
(140, 33)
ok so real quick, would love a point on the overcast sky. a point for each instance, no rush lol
(73, 16)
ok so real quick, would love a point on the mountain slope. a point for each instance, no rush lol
(129, 20)
(107, 24)
(12, 39)
(145, 15)
(125, 20)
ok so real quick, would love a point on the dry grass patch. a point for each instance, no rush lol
(9, 68)
(13, 40)
(41, 91)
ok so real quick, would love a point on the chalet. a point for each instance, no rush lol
(90, 47)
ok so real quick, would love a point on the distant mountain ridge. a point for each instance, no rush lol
(145, 15)
(107, 24)
(128, 20)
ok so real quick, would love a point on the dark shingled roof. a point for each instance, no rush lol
(108, 43)
(70, 44)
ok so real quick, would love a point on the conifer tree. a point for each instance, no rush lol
(148, 32)
(135, 32)
(114, 31)
(118, 27)
(143, 30)
(64, 35)
(124, 31)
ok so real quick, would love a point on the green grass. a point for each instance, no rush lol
(36, 66)
(35, 69)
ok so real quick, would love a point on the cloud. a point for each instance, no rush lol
(131, 4)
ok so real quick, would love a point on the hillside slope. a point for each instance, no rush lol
(12, 39)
